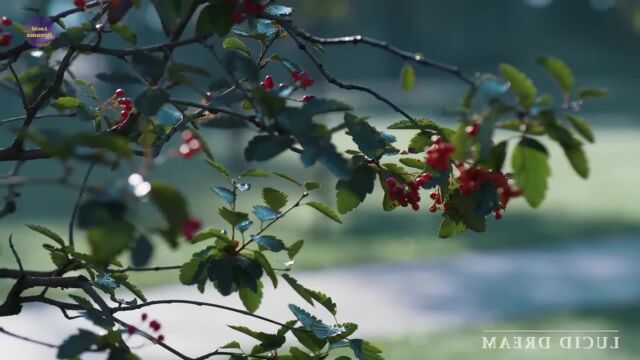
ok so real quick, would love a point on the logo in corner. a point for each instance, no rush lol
(39, 31)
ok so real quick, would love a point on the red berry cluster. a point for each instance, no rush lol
(438, 153)
(153, 324)
(409, 195)
(190, 145)
(251, 7)
(473, 129)
(437, 201)
(305, 99)
(302, 79)
(472, 177)
(125, 103)
(267, 83)
(80, 4)
(190, 227)
(5, 39)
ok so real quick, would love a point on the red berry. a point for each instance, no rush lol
(124, 115)
(187, 136)
(472, 130)
(426, 176)
(415, 206)
(433, 208)
(268, 82)
(391, 182)
(434, 195)
(81, 4)
(305, 99)
(144, 316)
(234, 244)
(498, 215)
(160, 338)
(295, 75)
(189, 228)
(238, 16)
(5, 39)
(155, 325)
(119, 93)
(6, 21)
(131, 329)
(128, 108)
(420, 181)
(412, 185)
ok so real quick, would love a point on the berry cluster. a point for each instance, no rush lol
(439, 153)
(251, 7)
(302, 79)
(80, 4)
(190, 145)
(153, 324)
(5, 39)
(437, 201)
(190, 227)
(125, 103)
(472, 177)
(409, 195)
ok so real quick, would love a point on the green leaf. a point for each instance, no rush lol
(66, 103)
(462, 143)
(255, 173)
(350, 193)
(269, 339)
(450, 228)
(414, 163)
(216, 18)
(301, 290)
(76, 344)
(110, 240)
(151, 100)
(588, 93)
(287, 177)
(118, 78)
(250, 299)
(578, 160)
(221, 169)
(134, 290)
(87, 88)
(581, 127)
(151, 66)
(231, 345)
(321, 106)
(407, 77)
(172, 206)
(326, 210)
(236, 44)
(191, 271)
(46, 232)
(520, 83)
(310, 322)
(170, 12)
(265, 147)
(497, 156)
(310, 186)
(269, 242)
(232, 217)
(559, 71)
(294, 248)
(275, 199)
(210, 234)
(419, 124)
(125, 32)
(364, 350)
(531, 169)
(266, 266)
(367, 138)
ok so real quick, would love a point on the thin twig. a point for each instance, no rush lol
(39, 116)
(12, 334)
(74, 213)
(15, 254)
(25, 101)
(142, 269)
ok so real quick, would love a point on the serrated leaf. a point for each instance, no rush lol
(278, 10)
(559, 71)
(275, 199)
(414, 163)
(294, 248)
(407, 77)
(87, 88)
(76, 344)
(419, 142)
(581, 127)
(578, 160)
(270, 339)
(265, 213)
(312, 323)
(449, 228)
(225, 194)
(266, 266)
(250, 299)
(531, 170)
(269, 242)
(310, 186)
(231, 345)
(232, 217)
(287, 177)
(265, 147)
(364, 350)
(588, 93)
(321, 106)
(301, 290)
(126, 33)
(350, 193)
(46, 232)
(325, 210)
(254, 173)
(520, 84)
(236, 44)
(419, 124)
(368, 139)
(221, 169)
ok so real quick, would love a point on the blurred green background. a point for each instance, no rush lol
(597, 38)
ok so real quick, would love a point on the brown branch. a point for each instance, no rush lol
(12, 334)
